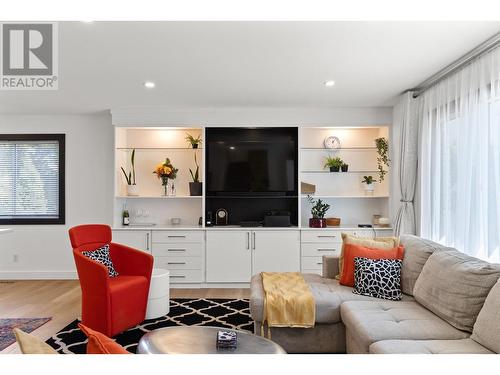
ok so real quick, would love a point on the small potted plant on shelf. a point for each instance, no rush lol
(369, 184)
(318, 211)
(130, 177)
(383, 156)
(166, 171)
(334, 163)
(195, 186)
(193, 141)
(344, 167)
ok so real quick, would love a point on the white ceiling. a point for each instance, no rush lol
(102, 65)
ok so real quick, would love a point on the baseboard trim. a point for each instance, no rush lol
(38, 275)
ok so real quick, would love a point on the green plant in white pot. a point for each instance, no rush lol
(130, 177)
(369, 184)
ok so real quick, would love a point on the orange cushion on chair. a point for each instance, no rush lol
(101, 344)
(356, 251)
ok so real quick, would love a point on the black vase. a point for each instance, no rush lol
(195, 189)
(334, 169)
(345, 167)
(195, 145)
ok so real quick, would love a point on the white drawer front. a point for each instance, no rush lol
(317, 271)
(185, 276)
(322, 236)
(320, 249)
(312, 263)
(178, 263)
(168, 236)
(177, 249)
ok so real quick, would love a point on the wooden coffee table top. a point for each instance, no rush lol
(202, 340)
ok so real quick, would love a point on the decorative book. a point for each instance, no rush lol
(227, 339)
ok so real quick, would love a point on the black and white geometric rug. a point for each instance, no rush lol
(224, 313)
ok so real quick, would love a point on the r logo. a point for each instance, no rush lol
(28, 49)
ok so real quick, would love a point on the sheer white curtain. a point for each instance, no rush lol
(460, 160)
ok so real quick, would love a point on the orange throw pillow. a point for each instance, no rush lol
(356, 251)
(100, 343)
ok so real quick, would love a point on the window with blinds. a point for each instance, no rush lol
(32, 178)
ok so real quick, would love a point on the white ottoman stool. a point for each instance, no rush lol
(159, 294)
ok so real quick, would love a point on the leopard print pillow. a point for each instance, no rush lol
(379, 278)
(101, 255)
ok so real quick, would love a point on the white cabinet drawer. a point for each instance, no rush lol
(316, 271)
(178, 263)
(177, 249)
(167, 236)
(322, 236)
(185, 276)
(312, 263)
(320, 249)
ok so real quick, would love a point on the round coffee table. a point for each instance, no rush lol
(202, 340)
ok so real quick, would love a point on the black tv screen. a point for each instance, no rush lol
(251, 161)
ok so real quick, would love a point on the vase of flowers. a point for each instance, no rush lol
(166, 172)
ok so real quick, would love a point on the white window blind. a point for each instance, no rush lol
(29, 179)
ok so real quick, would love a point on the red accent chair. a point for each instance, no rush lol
(110, 305)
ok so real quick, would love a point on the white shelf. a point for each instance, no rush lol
(158, 197)
(339, 149)
(304, 196)
(158, 148)
(335, 173)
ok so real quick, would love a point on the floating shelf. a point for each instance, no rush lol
(253, 197)
(158, 197)
(158, 148)
(340, 149)
(335, 173)
(304, 196)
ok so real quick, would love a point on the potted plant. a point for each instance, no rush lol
(344, 167)
(318, 211)
(383, 156)
(333, 163)
(369, 184)
(130, 177)
(166, 171)
(195, 186)
(193, 141)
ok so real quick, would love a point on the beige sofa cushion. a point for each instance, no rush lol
(487, 327)
(464, 346)
(454, 286)
(328, 295)
(369, 322)
(417, 251)
(385, 243)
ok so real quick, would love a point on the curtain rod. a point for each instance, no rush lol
(466, 59)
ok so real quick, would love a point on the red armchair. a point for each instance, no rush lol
(110, 304)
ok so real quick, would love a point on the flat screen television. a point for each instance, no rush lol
(252, 161)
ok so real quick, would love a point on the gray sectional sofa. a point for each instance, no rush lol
(451, 304)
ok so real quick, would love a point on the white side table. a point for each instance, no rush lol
(159, 294)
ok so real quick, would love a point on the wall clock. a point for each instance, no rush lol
(221, 217)
(332, 142)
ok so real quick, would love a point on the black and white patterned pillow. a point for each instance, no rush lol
(380, 278)
(101, 255)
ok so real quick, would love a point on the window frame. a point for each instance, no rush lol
(61, 139)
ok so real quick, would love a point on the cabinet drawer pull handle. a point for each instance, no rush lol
(326, 249)
(176, 262)
(327, 236)
(176, 236)
(177, 277)
(176, 249)
(319, 263)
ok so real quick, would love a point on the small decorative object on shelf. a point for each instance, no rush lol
(125, 217)
(130, 178)
(193, 141)
(166, 171)
(175, 221)
(318, 212)
(221, 217)
(227, 340)
(332, 221)
(344, 167)
(195, 187)
(383, 156)
(384, 222)
(369, 184)
(332, 142)
(333, 163)
(307, 188)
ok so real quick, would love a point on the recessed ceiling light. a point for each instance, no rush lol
(149, 84)
(329, 83)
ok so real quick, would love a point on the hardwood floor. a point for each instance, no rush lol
(61, 300)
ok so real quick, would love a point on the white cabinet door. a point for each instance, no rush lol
(275, 251)
(228, 256)
(137, 239)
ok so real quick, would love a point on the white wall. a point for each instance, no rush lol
(44, 251)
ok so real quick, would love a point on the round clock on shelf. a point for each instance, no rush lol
(332, 142)
(221, 217)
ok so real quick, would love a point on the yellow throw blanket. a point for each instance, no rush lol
(288, 301)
